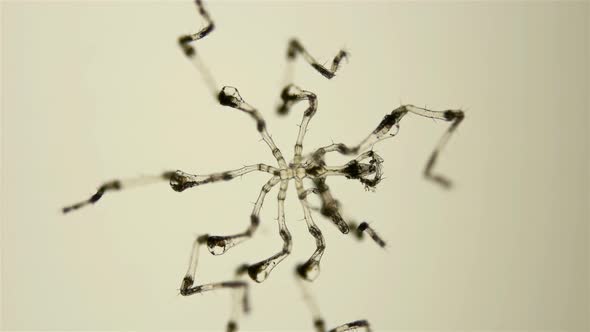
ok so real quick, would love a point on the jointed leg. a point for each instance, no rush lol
(230, 96)
(180, 181)
(185, 44)
(311, 268)
(185, 40)
(330, 206)
(453, 116)
(218, 245)
(240, 301)
(318, 321)
(116, 185)
(291, 95)
(456, 116)
(382, 132)
(389, 126)
(187, 287)
(260, 271)
(295, 47)
(312, 305)
(364, 227)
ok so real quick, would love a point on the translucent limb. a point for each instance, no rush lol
(308, 192)
(311, 268)
(185, 42)
(391, 121)
(364, 227)
(318, 321)
(218, 245)
(295, 48)
(451, 115)
(116, 185)
(230, 96)
(380, 133)
(291, 95)
(180, 181)
(187, 288)
(330, 207)
(261, 270)
(240, 301)
(311, 303)
(359, 230)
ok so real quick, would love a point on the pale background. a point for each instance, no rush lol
(98, 90)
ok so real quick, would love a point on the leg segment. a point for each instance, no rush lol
(456, 116)
(380, 133)
(295, 47)
(364, 227)
(116, 185)
(318, 321)
(240, 301)
(310, 269)
(291, 95)
(230, 96)
(261, 270)
(331, 209)
(392, 120)
(180, 181)
(187, 287)
(185, 42)
(218, 245)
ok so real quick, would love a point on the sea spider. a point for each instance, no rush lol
(366, 167)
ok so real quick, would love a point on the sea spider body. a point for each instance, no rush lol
(312, 167)
(366, 167)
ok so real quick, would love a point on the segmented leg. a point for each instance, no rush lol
(180, 181)
(363, 228)
(308, 192)
(185, 42)
(311, 268)
(291, 95)
(261, 270)
(116, 185)
(330, 208)
(240, 302)
(318, 322)
(451, 115)
(310, 302)
(295, 47)
(218, 245)
(230, 96)
(187, 288)
(389, 126)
